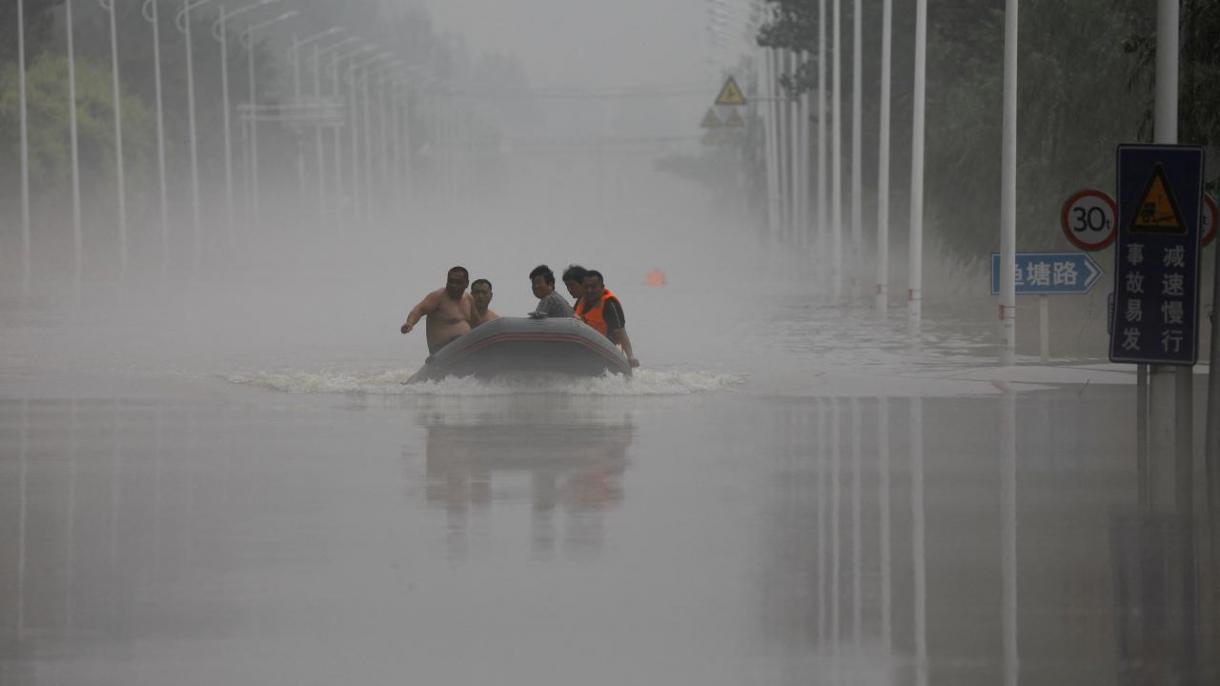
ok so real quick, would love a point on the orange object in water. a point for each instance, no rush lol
(656, 277)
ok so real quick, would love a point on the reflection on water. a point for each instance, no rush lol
(881, 541)
(984, 550)
(565, 456)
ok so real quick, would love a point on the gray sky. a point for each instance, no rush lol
(593, 43)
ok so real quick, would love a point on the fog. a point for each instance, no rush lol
(214, 468)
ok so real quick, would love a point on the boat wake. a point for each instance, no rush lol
(645, 382)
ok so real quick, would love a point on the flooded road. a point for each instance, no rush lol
(223, 534)
(799, 494)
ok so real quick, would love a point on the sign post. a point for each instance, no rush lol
(1156, 285)
(1044, 274)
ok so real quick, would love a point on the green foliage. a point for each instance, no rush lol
(49, 141)
(1081, 91)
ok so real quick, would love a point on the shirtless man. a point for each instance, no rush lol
(480, 292)
(449, 311)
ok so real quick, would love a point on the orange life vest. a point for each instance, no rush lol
(594, 315)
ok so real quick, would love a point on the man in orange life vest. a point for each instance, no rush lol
(600, 309)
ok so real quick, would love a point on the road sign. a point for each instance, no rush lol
(1156, 262)
(1088, 219)
(710, 120)
(1208, 228)
(734, 120)
(730, 94)
(1049, 273)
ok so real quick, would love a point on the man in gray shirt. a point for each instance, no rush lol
(550, 303)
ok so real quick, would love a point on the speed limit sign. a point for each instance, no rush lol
(1209, 218)
(1088, 219)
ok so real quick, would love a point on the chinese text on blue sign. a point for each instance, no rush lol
(1049, 273)
(1156, 274)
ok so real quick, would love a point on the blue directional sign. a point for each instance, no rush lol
(1049, 273)
(1156, 259)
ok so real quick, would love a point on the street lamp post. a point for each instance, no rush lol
(120, 182)
(338, 133)
(220, 33)
(149, 10)
(183, 22)
(247, 37)
(296, 91)
(320, 151)
(77, 234)
(359, 98)
(25, 151)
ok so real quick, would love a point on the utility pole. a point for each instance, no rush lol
(883, 164)
(1170, 433)
(915, 264)
(77, 234)
(836, 164)
(823, 210)
(1008, 195)
(120, 182)
(857, 228)
(149, 10)
(25, 152)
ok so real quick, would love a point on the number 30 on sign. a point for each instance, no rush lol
(1088, 219)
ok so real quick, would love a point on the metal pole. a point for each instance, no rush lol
(338, 139)
(823, 210)
(883, 163)
(396, 149)
(25, 151)
(296, 94)
(120, 181)
(1008, 195)
(1044, 328)
(253, 189)
(385, 145)
(784, 151)
(318, 147)
(223, 30)
(149, 11)
(368, 146)
(836, 164)
(803, 237)
(768, 80)
(194, 147)
(355, 145)
(857, 228)
(915, 257)
(77, 234)
(1180, 425)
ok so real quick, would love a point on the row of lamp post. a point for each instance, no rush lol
(366, 66)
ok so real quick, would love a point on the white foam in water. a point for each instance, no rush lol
(392, 382)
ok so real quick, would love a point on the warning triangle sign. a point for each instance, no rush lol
(734, 120)
(1158, 209)
(730, 94)
(710, 120)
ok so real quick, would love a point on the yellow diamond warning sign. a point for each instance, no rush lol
(1158, 209)
(730, 94)
(710, 120)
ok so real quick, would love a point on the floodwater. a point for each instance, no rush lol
(841, 505)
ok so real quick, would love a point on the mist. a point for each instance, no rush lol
(817, 458)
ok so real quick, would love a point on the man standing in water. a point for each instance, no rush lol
(480, 293)
(600, 309)
(449, 311)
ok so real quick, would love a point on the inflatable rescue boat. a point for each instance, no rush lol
(560, 345)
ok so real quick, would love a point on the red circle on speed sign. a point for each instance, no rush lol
(1088, 219)
(1209, 218)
